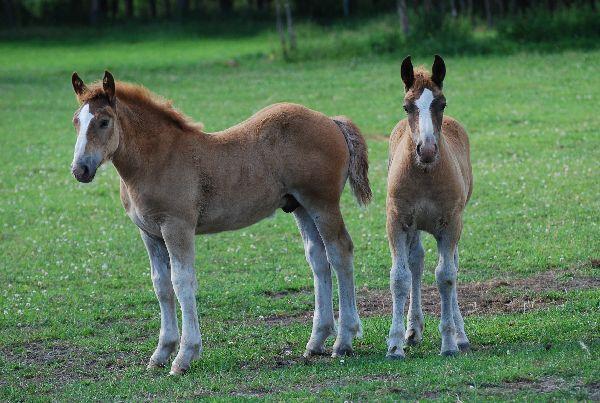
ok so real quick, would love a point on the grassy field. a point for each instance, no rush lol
(78, 316)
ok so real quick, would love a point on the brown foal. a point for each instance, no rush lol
(429, 184)
(177, 181)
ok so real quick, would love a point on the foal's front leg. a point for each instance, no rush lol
(445, 276)
(400, 281)
(161, 279)
(416, 262)
(179, 239)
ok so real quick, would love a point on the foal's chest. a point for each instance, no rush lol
(139, 214)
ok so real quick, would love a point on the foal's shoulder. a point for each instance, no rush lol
(454, 131)
(399, 131)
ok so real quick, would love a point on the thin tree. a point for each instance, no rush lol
(403, 15)
(9, 13)
(168, 13)
(129, 8)
(183, 8)
(453, 8)
(488, 13)
(346, 6)
(290, 25)
(95, 12)
(152, 8)
(226, 6)
(280, 31)
(114, 9)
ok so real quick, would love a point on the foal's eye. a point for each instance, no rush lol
(443, 106)
(407, 108)
(104, 123)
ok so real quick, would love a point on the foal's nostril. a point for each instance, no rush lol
(419, 149)
(85, 171)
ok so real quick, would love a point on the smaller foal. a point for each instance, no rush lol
(429, 184)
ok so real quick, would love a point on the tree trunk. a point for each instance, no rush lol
(9, 13)
(226, 6)
(95, 12)
(168, 10)
(453, 8)
(279, 22)
(183, 8)
(488, 13)
(114, 9)
(463, 6)
(403, 15)
(152, 8)
(129, 8)
(290, 25)
(346, 5)
(427, 6)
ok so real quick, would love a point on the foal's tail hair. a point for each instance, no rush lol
(359, 161)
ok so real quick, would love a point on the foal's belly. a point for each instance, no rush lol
(236, 215)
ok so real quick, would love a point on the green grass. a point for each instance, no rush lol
(79, 319)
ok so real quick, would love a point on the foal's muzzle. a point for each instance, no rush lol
(84, 171)
(427, 151)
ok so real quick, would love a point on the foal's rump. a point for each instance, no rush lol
(316, 153)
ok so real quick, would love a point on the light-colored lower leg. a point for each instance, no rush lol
(445, 275)
(161, 279)
(415, 322)
(340, 256)
(323, 321)
(180, 243)
(461, 337)
(400, 280)
(339, 250)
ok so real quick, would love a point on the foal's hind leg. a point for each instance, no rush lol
(339, 249)
(416, 255)
(161, 279)
(323, 323)
(461, 336)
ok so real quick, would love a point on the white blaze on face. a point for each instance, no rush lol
(425, 121)
(84, 117)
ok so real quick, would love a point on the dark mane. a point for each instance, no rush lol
(138, 95)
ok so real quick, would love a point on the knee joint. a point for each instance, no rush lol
(445, 275)
(400, 279)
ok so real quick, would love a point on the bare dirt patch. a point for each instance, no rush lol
(60, 362)
(543, 385)
(489, 297)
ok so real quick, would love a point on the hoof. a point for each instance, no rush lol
(411, 338)
(464, 347)
(152, 365)
(449, 353)
(342, 352)
(395, 353)
(309, 352)
(177, 370)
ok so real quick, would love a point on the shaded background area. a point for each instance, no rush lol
(317, 28)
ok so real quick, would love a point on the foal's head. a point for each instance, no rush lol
(424, 104)
(96, 125)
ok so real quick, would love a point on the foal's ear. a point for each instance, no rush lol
(78, 84)
(108, 85)
(438, 71)
(407, 73)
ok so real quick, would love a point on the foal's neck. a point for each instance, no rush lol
(144, 137)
